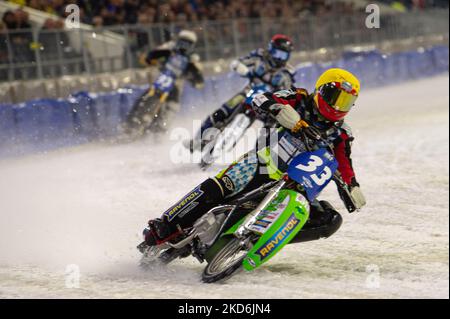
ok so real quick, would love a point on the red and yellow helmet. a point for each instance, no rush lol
(336, 93)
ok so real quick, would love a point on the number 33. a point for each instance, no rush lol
(312, 166)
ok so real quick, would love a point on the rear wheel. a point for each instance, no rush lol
(224, 260)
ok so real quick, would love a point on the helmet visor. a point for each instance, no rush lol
(184, 45)
(338, 97)
(279, 54)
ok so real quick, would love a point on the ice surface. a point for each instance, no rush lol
(87, 206)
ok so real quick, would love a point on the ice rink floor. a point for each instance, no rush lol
(87, 206)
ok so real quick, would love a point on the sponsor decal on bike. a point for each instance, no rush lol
(184, 205)
(268, 216)
(278, 238)
(307, 183)
(303, 201)
(276, 205)
(263, 223)
(272, 214)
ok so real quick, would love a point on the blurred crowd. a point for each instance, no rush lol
(19, 46)
(114, 12)
(408, 5)
(18, 22)
(53, 43)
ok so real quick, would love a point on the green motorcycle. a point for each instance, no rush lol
(247, 232)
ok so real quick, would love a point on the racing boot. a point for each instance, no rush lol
(158, 232)
(323, 222)
(185, 212)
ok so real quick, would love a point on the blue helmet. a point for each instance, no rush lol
(280, 48)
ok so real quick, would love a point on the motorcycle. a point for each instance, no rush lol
(248, 231)
(231, 132)
(146, 111)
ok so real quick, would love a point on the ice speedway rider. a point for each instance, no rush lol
(177, 57)
(269, 66)
(324, 111)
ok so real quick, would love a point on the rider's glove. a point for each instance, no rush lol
(239, 68)
(285, 115)
(350, 194)
(195, 58)
(358, 197)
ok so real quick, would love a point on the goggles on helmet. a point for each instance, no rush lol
(184, 45)
(339, 96)
(279, 54)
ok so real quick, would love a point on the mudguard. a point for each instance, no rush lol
(277, 225)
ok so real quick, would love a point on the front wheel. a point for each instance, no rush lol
(226, 262)
(143, 114)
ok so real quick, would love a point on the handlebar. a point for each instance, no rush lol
(344, 192)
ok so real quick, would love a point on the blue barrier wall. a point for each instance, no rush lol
(47, 124)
